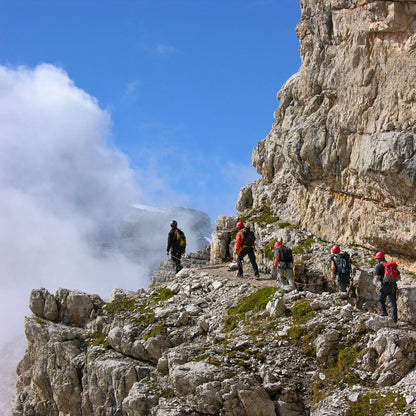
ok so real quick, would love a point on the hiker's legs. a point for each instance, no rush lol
(240, 258)
(176, 258)
(289, 276)
(281, 273)
(382, 296)
(393, 302)
(252, 257)
(342, 286)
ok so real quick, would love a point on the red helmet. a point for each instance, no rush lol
(239, 225)
(277, 244)
(335, 249)
(379, 255)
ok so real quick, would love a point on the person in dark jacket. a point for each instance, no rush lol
(387, 289)
(342, 280)
(283, 264)
(174, 246)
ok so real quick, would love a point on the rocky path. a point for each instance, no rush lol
(226, 270)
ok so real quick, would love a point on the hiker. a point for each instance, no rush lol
(244, 245)
(283, 263)
(176, 245)
(387, 274)
(341, 268)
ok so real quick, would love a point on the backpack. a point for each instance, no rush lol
(286, 253)
(180, 238)
(391, 273)
(248, 237)
(343, 263)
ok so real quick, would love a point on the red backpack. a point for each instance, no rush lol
(391, 273)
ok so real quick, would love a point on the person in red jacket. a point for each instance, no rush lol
(244, 245)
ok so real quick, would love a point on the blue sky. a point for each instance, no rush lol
(190, 86)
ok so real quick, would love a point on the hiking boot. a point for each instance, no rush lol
(239, 275)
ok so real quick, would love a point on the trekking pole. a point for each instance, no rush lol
(181, 260)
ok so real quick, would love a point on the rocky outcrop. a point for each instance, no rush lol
(167, 269)
(340, 159)
(209, 343)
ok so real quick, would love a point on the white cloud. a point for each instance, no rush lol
(58, 180)
(66, 197)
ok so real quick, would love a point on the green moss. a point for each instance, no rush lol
(214, 361)
(138, 310)
(154, 389)
(255, 302)
(362, 330)
(306, 245)
(40, 321)
(161, 295)
(262, 214)
(155, 330)
(167, 393)
(97, 339)
(121, 305)
(283, 224)
(378, 404)
(269, 250)
(301, 338)
(373, 262)
(296, 332)
(340, 373)
(302, 312)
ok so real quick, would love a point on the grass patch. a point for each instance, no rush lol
(154, 331)
(378, 404)
(122, 305)
(131, 307)
(339, 374)
(304, 339)
(302, 312)
(306, 245)
(161, 295)
(262, 214)
(255, 302)
(269, 250)
(97, 339)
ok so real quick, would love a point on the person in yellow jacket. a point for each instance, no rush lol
(244, 245)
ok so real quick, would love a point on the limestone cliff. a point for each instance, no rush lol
(340, 159)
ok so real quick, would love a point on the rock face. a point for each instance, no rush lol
(209, 343)
(340, 160)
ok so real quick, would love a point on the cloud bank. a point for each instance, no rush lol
(67, 198)
(59, 178)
